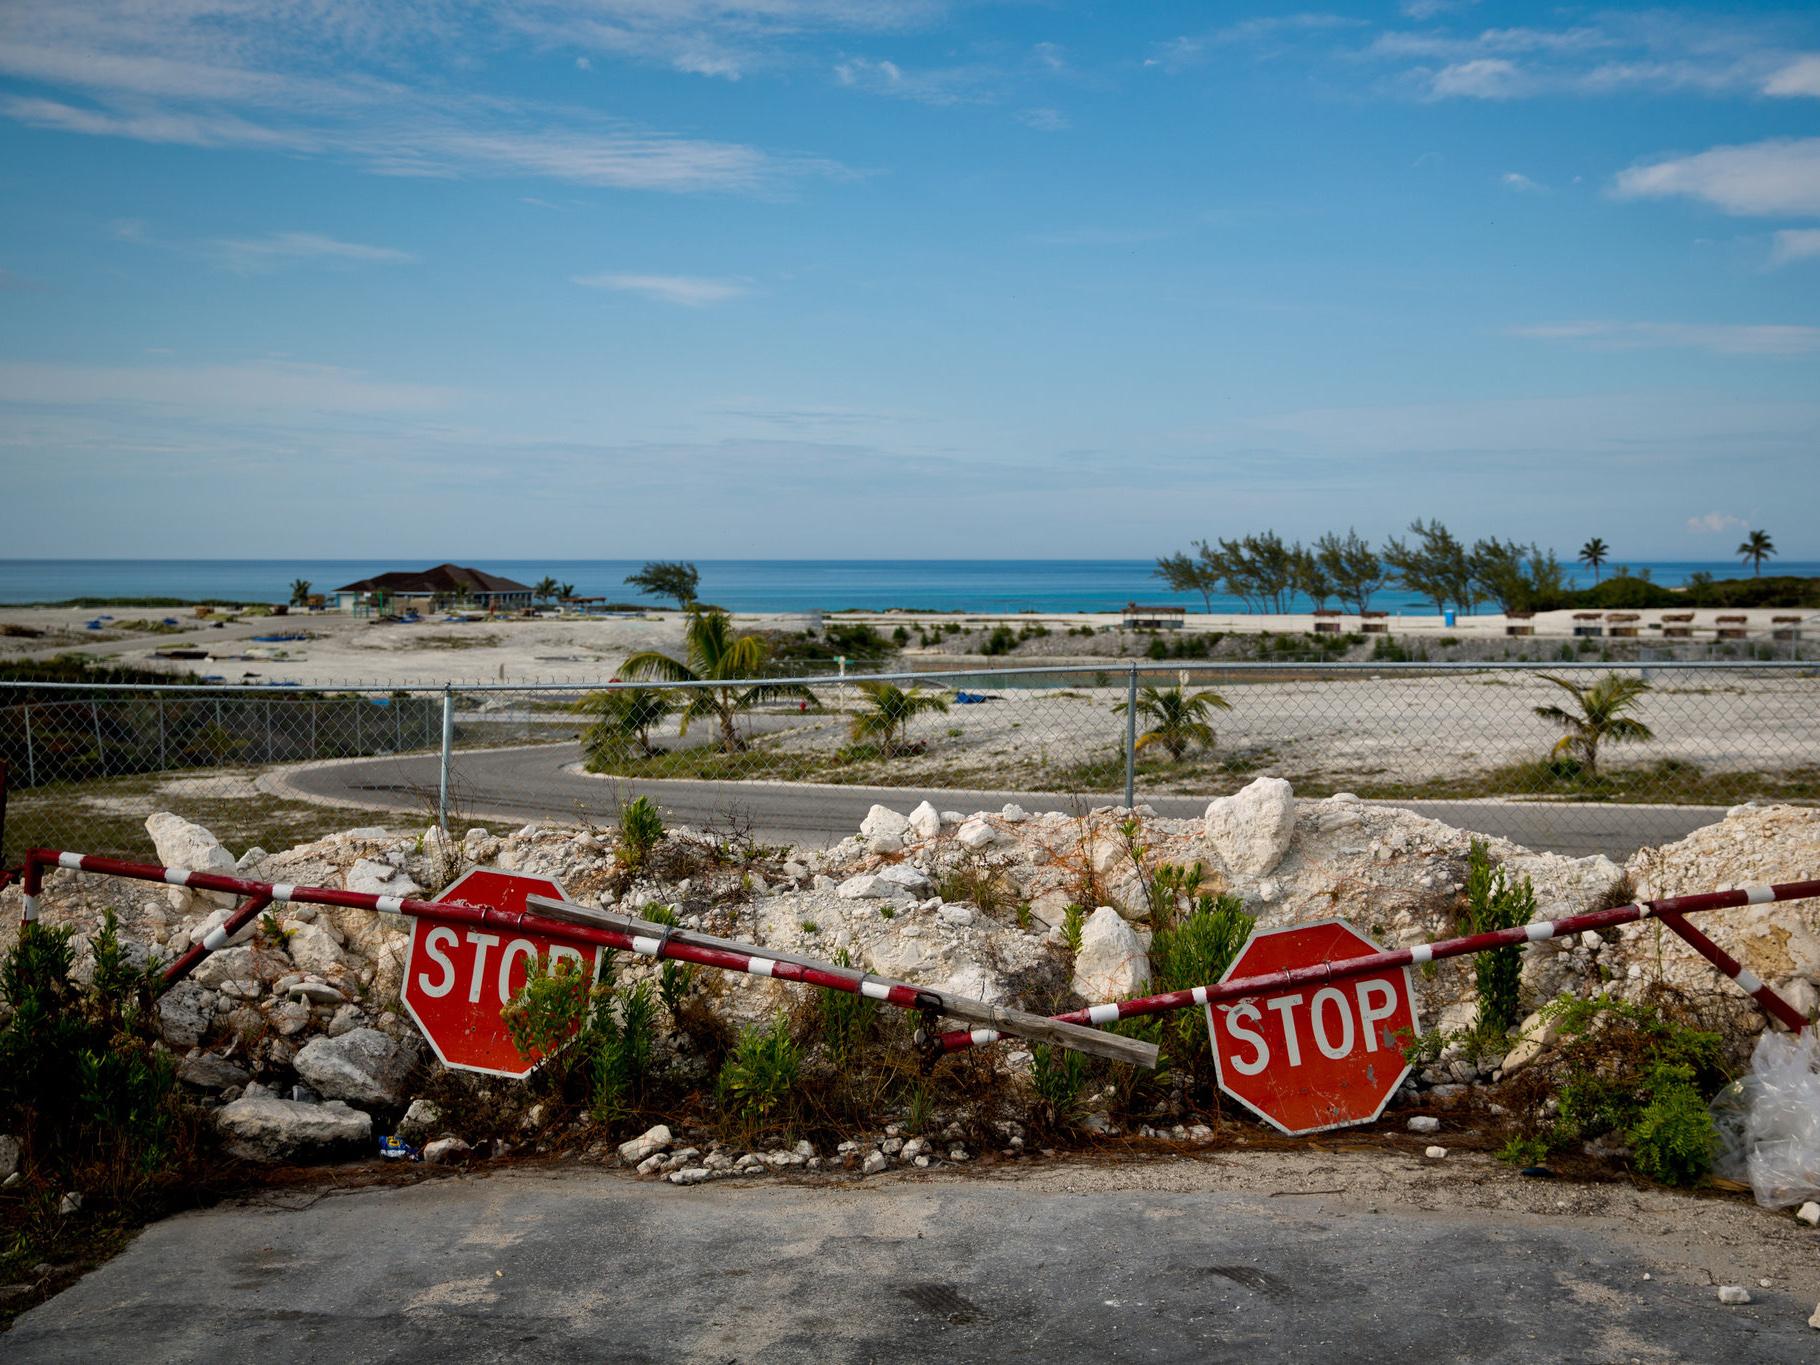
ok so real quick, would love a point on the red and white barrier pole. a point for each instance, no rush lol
(1748, 981)
(261, 894)
(1273, 983)
(216, 938)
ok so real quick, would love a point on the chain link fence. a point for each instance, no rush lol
(1575, 756)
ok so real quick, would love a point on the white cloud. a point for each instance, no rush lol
(687, 291)
(1616, 52)
(1795, 244)
(1721, 338)
(1799, 77)
(1516, 180)
(299, 78)
(938, 86)
(1713, 523)
(1781, 175)
(1044, 120)
(1485, 78)
(264, 252)
(583, 64)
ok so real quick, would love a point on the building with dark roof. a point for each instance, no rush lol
(446, 585)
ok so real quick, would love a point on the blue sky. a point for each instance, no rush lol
(902, 278)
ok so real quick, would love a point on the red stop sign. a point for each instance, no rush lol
(458, 977)
(1319, 1056)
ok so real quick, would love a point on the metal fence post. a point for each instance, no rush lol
(31, 759)
(448, 740)
(1131, 738)
(94, 715)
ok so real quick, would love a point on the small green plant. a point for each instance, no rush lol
(1196, 951)
(272, 932)
(809, 926)
(846, 1020)
(549, 1012)
(759, 1074)
(641, 829)
(1059, 1075)
(1074, 920)
(1637, 1069)
(919, 1108)
(674, 979)
(1524, 1151)
(1002, 640)
(1494, 902)
(979, 882)
(1674, 1138)
(618, 1048)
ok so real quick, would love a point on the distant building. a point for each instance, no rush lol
(446, 585)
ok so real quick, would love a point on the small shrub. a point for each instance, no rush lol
(641, 829)
(1074, 919)
(1639, 1069)
(1196, 951)
(1002, 640)
(1674, 1138)
(1493, 902)
(1059, 1075)
(758, 1076)
(846, 1020)
(548, 1013)
(979, 882)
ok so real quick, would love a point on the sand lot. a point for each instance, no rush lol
(346, 649)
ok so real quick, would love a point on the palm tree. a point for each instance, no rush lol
(1177, 718)
(1599, 718)
(565, 591)
(713, 654)
(1594, 553)
(1757, 549)
(300, 592)
(624, 717)
(888, 717)
(546, 587)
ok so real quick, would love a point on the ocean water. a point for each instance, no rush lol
(781, 585)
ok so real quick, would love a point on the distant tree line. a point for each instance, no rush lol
(1267, 573)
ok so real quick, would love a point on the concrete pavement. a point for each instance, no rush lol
(1173, 1260)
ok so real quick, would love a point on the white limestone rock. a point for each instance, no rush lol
(375, 878)
(1112, 962)
(872, 886)
(265, 1128)
(189, 846)
(1251, 829)
(362, 1065)
(646, 1145)
(977, 834)
(925, 821)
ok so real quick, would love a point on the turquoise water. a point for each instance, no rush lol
(978, 585)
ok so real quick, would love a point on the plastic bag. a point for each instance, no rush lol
(1769, 1121)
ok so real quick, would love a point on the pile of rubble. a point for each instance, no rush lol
(294, 1032)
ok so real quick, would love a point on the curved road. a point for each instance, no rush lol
(541, 782)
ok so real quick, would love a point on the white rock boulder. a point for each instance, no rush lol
(1112, 962)
(883, 829)
(925, 821)
(266, 1128)
(362, 1065)
(191, 847)
(1251, 829)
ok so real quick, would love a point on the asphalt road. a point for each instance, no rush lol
(537, 782)
(581, 1264)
